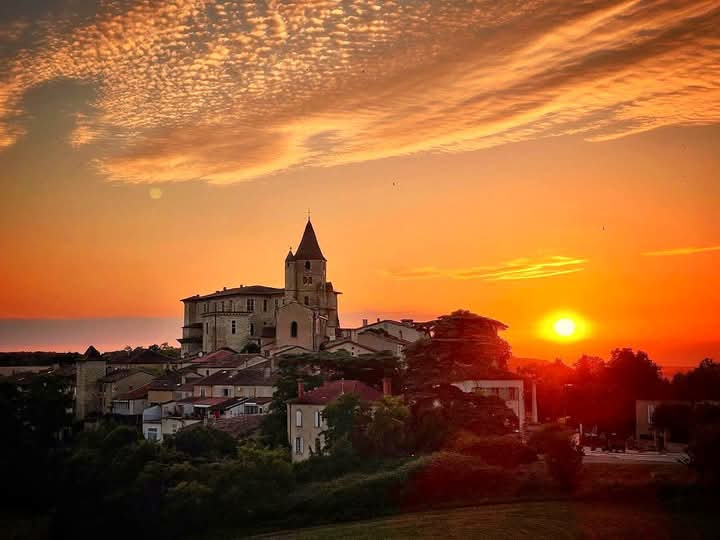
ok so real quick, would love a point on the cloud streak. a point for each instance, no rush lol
(681, 251)
(232, 90)
(517, 269)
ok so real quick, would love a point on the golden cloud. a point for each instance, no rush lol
(229, 90)
(511, 270)
(681, 251)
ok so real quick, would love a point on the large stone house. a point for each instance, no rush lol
(305, 414)
(303, 314)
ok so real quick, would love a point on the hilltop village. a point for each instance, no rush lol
(232, 342)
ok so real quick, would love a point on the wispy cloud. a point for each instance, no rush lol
(511, 270)
(681, 251)
(227, 90)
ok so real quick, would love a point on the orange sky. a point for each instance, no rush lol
(515, 162)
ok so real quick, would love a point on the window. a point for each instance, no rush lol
(205, 306)
(214, 308)
(222, 306)
(293, 329)
(207, 372)
(651, 413)
(277, 303)
(265, 303)
(308, 266)
(298, 418)
(252, 329)
(304, 280)
(307, 300)
(512, 393)
(207, 328)
(318, 418)
(298, 445)
(152, 434)
(202, 392)
(250, 304)
(226, 392)
(230, 304)
(309, 280)
(233, 326)
(251, 409)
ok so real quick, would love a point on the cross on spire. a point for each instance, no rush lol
(308, 214)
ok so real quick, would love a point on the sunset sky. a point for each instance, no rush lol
(526, 160)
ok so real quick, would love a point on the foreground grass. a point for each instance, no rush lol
(556, 520)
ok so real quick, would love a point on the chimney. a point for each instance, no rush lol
(365, 322)
(378, 319)
(387, 386)
(301, 388)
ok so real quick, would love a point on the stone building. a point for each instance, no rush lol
(303, 314)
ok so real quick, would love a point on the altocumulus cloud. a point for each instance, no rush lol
(511, 270)
(228, 90)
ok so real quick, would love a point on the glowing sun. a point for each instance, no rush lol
(564, 327)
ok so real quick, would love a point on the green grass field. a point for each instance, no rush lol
(555, 519)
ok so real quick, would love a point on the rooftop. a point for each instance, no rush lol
(249, 290)
(331, 390)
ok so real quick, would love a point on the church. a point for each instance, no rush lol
(298, 318)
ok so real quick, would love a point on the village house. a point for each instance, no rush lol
(120, 381)
(305, 414)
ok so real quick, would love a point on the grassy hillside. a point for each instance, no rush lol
(554, 519)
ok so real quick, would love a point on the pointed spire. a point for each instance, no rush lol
(309, 249)
(290, 257)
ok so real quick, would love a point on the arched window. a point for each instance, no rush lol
(298, 418)
(293, 329)
(307, 265)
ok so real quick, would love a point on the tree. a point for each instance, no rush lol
(630, 376)
(348, 418)
(703, 382)
(387, 432)
(461, 346)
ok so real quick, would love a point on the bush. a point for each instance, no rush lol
(450, 476)
(201, 441)
(357, 496)
(704, 453)
(505, 451)
(563, 456)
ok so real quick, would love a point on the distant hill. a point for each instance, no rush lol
(37, 358)
(516, 363)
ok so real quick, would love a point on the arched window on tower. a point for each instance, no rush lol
(293, 329)
(307, 265)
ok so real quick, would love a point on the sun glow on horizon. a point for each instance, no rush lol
(564, 327)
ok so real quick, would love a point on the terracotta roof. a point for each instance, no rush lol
(244, 377)
(237, 427)
(118, 375)
(331, 390)
(220, 354)
(91, 352)
(309, 249)
(138, 393)
(242, 290)
(143, 357)
(333, 344)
